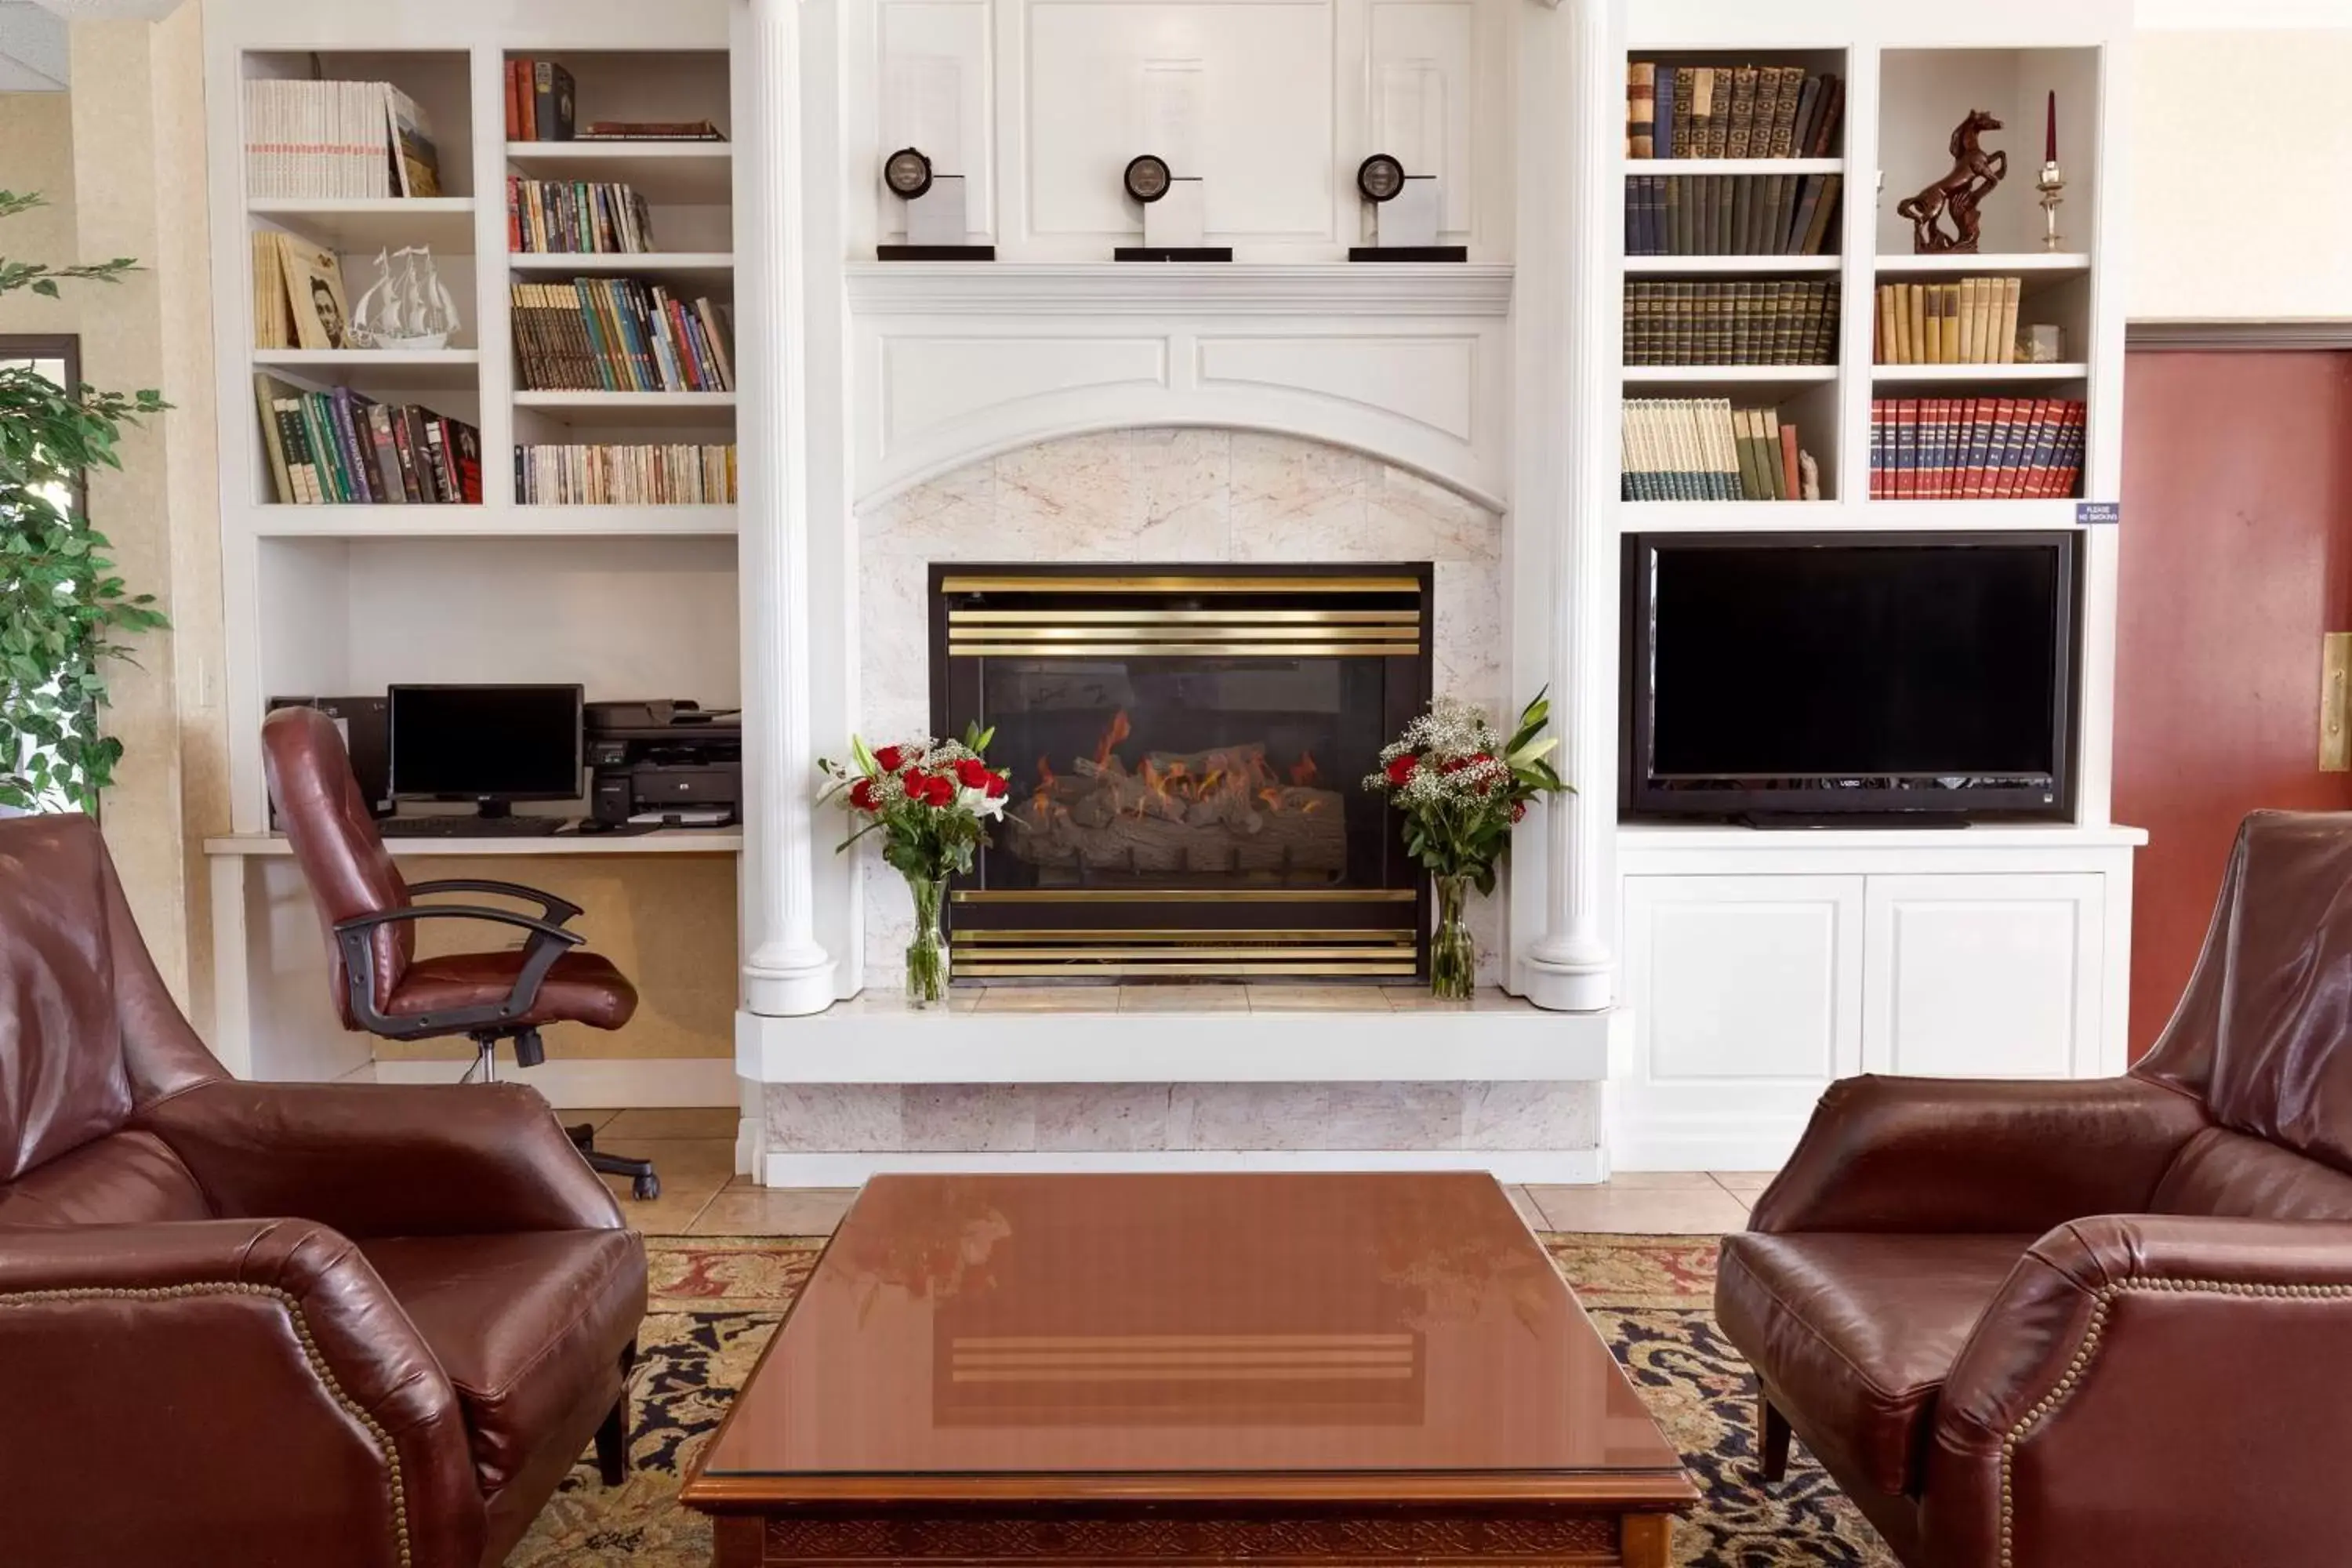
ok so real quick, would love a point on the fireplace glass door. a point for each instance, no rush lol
(1187, 751)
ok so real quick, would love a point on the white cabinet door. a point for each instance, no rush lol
(1985, 975)
(1746, 1001)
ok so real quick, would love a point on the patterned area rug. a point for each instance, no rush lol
(716, 1301)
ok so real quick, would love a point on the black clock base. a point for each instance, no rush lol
(1409, 253)
(935, 252)
(1173, 253)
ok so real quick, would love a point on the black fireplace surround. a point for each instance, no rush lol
(1187, 747)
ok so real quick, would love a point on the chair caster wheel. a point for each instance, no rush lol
(647, 1186)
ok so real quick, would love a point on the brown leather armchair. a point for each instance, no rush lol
(2044, 1325)
(287, 1324)
(371, 915)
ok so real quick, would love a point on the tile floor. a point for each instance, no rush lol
(701, 1195)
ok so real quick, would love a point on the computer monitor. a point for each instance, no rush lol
(490, 744)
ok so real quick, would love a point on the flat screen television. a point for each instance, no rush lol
(1898, 677)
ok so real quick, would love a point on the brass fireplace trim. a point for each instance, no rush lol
(1183, 896)
(1143, 954)
(1178, 584)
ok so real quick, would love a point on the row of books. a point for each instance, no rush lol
(624, 475)
(1730, 214)
(1974, 449)
(1701, 448)
(336, 140)
(619, 334)
(576, 217)
(338, 449)
(1730, 111)
(541, 101)
(1788, 320)
(1971, 321)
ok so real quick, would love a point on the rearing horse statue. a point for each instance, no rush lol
(1975, 172)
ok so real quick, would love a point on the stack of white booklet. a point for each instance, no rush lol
(336, 140)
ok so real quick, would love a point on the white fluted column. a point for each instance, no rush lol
(786, 971)
(1569, 967)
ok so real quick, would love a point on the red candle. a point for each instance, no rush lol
(2050, 147)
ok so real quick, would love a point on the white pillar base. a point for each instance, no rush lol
(788, 983)
(1568, 981)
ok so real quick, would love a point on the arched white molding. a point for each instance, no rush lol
(953, 367)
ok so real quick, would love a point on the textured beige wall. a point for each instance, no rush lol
(121, 161)
(2239, 153)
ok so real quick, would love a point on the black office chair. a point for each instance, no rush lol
(379, 983)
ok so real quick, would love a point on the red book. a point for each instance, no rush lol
(514, 107)
(1792, 478)
(1907, 438)
(526, 99)
(1978, 429)
(1936, 418)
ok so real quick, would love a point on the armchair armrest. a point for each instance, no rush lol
(252, 1382)
(2153, 1388)
(562, 911)
(1974, 1154)
(548, 942)
(385, 1159)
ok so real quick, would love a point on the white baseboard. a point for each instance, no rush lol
(1568, 1167)
(1686, 1146)
(595, 1083)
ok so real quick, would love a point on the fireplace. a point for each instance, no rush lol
(1187, 746)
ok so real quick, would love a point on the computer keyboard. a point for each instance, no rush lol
(459, 826)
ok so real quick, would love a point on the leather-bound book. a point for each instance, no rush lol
(1641, 109)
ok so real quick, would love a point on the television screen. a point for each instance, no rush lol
(1936, 663)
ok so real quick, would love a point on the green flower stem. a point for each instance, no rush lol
(927, 954)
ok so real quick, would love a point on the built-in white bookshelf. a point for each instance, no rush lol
(1902, 102)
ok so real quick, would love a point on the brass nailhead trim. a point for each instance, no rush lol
(310, 1352)
(2089, 1347)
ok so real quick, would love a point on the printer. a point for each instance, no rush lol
(665, 764)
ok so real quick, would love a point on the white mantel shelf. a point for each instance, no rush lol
(1150, 288)
(876, 1039)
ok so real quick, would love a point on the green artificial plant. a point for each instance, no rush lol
(62, 609)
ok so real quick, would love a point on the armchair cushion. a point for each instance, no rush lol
(1972, 1154)
(125, 1178)
(582, 988)
(383, 1160)
(1853, 1335)
(529, 1327)
(2226, 1173)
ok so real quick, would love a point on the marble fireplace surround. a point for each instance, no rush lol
(1174, 496)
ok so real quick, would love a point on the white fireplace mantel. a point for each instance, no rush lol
(957, 361)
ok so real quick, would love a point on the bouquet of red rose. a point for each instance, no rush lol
(1461, 787)
(932, 801)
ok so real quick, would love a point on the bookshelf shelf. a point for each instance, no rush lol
(1924, 375)
(705, 269)
(1729, 375)
(685, 173)
(493, 521)
(2044, 262)
(1735, 165)
(1826, 516)
(446, 223)
(617, 412)
(443, 369)
(1736, 266)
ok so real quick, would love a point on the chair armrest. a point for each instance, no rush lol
(548, 942)
(2153, 1388)
(227, 1370)
(385, 1159)
(562, 911)
(1977, 1154)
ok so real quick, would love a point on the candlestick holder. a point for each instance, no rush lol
(2052, 185)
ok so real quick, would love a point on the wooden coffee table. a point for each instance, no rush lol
(1180, 1370)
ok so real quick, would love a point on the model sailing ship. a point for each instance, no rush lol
(406, 307)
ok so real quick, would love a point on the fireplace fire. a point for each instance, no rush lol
(1185, 750)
